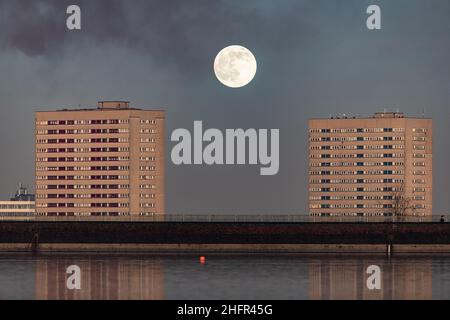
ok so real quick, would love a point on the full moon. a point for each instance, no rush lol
(235, 66)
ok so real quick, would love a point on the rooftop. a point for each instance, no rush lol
(377, 115)
(106, 105)
(113, 104)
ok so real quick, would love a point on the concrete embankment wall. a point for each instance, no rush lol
(225, 236)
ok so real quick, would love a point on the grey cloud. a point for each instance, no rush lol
(179, 32)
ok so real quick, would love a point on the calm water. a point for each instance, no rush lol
(223, 277)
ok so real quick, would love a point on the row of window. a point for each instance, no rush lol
(147, 130)
(17, 214)
(325, 181)
(83, 205)
(82, 186)
(89, 159)
(94, 168)
(360, 206)
(94, 140)
(89, 168)
(350, 139)
(364, 130)
(84, 196)
(83, 131)
(358, 130)
(76, 150)
(356, 164)
(76, 122)
(93, 122)
(92, 196)
(371, 197)
(93, 177)
(16, 206)
(365, 189)
(351, 206)
(362, 189)
(361, 181)
(94, 214)
(114, 149)
(70, 141)
(91, 186)
(358, 172)
(357, 155)
(84, 150)
(419, 164)
(72, 214)
(357, 214)
(147, 205)
(357, 147)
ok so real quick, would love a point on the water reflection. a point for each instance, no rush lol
(224, 277)
(401, 278)
(101, 279)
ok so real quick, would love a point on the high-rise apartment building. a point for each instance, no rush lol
(377, 166)
(107, 161)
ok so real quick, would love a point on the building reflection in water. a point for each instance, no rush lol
(334, 278)
(101, 279)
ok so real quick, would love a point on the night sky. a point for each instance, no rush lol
(316, 58)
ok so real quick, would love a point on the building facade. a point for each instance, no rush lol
(20, 206)
(17, 209)
(107, 161)
(377, 166)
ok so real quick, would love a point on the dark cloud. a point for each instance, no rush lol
(180, 32)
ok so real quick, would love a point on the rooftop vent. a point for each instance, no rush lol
(113, 104)
(389, 115)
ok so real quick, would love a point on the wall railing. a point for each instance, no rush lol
(278, 218)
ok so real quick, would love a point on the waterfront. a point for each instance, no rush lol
(23, 276)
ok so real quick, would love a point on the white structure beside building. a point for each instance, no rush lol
(21, 206)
